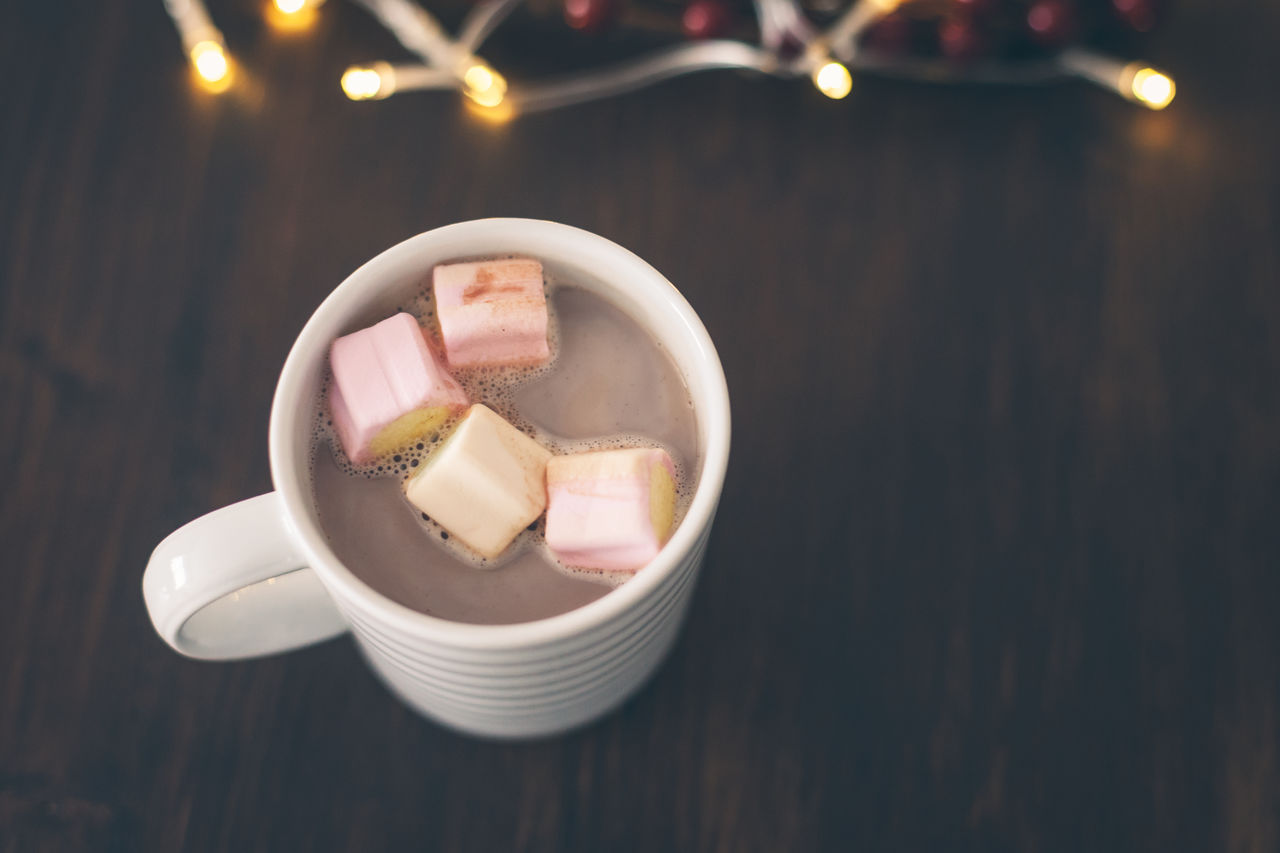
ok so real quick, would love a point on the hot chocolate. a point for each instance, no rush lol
(609, 384)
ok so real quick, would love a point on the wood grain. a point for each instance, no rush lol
(996, 565)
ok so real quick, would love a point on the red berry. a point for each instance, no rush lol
(890, 34)
(960, 39)
(1141, 15)
(705, 19)
(1051, 22)
(791, 46)
(590, 16)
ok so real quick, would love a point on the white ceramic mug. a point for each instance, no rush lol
(258, 577)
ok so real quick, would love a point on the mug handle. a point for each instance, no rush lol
(232, 584)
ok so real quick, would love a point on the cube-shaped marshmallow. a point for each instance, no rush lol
(389, 389)
(485, 484)
(610, 509)
(492, 313)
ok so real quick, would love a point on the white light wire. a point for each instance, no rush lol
(193, 23)
(418, 30)
(780, 19)
(842, 36)
(626, 77)
(416, 78)
(483, 20)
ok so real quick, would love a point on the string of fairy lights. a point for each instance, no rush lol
(790, 45)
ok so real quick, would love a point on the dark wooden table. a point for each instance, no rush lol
(996, 566)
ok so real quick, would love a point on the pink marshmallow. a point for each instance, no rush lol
(492, 313)
(381, 375)
(610, 509)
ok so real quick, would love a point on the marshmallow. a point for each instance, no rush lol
(610, 509)
(389, 389)
(484, 484)
(492, 313)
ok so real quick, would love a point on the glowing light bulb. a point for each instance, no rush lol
(498, 115)
(833, 79)
(292, 16)
(210, 62)
(484, 85)
(1152, 88)
(361, 83)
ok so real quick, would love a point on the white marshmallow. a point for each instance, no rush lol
(485, 484)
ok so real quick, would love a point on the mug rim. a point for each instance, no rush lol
(343, 583)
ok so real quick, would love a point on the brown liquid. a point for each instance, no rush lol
(609, 385)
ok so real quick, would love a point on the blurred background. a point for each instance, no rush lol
(995, 566)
